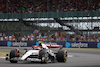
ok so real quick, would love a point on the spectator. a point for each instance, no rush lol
(30, 6)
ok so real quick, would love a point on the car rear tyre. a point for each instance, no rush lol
(14, 53)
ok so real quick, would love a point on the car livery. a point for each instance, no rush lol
(40, 53)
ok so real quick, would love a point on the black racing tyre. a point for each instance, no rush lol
(43, 55)
(61, 56)
(14, 53)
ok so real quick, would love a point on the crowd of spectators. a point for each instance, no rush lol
(51, 37)
(29, 6)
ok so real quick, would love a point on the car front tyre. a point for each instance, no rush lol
(62, 56)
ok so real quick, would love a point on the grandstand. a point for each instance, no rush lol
(80, 17)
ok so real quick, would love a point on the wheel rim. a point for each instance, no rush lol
(46, 58)
(65, 56)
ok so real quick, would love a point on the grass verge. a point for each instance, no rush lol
(4, 52)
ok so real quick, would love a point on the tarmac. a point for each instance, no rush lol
(80, 58)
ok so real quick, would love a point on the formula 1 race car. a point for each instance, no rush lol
(40, 53)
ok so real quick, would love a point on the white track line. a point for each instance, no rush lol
(68, 56)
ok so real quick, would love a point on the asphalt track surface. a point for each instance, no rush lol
(81, 58)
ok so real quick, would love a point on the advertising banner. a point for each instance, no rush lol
(20, 43)
(81, 44)
(53, 43)
(17, 44)
(3, 43)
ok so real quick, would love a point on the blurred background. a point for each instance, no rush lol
(50, 20)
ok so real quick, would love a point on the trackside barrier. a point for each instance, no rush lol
(64, 43)
(49, 14)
